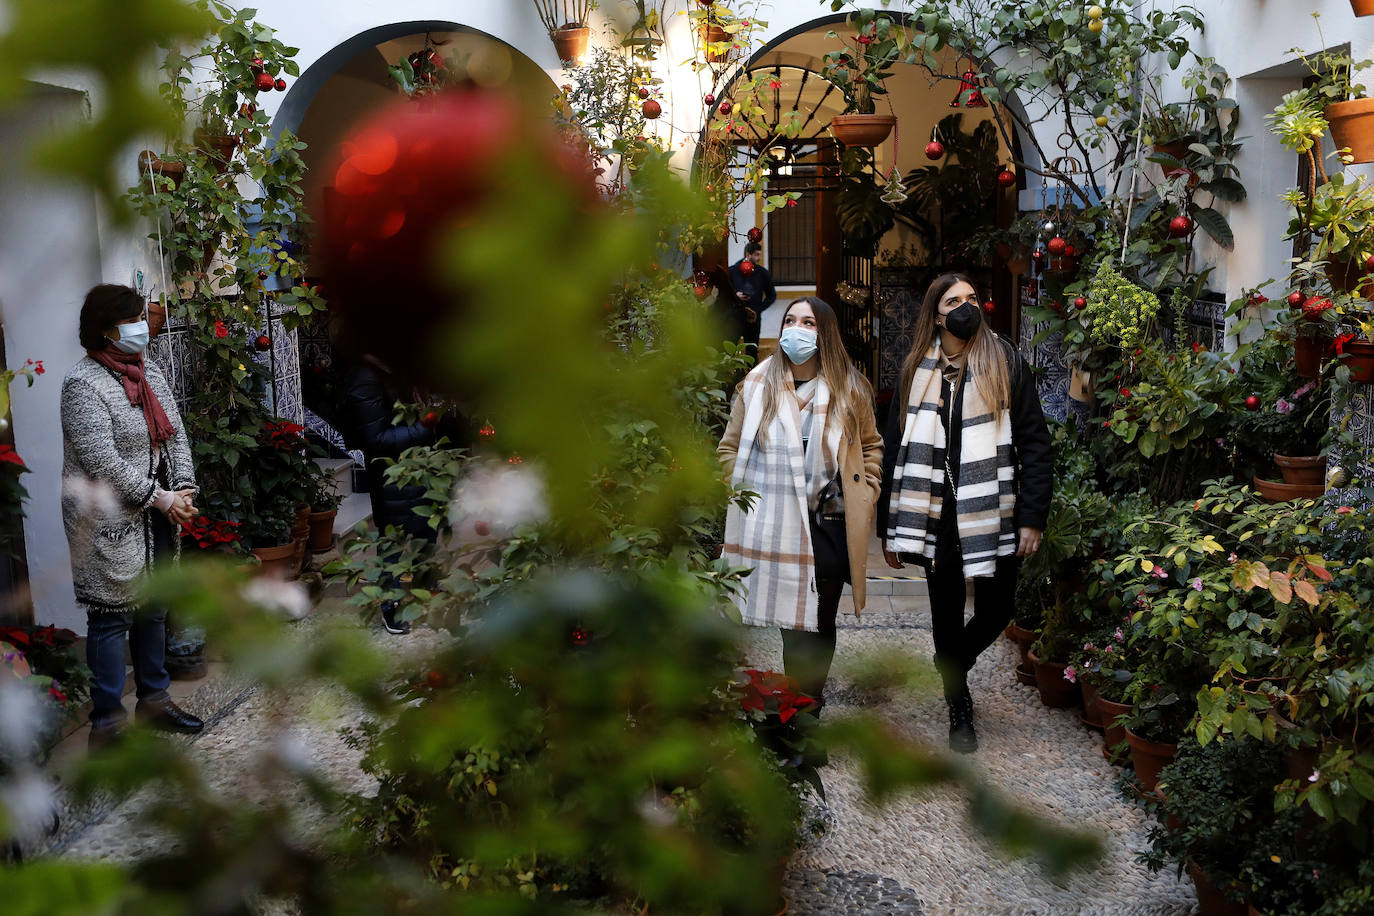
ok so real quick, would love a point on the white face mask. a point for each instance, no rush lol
(133, 338)
(798, 343)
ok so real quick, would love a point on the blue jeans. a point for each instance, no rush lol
(147, 633)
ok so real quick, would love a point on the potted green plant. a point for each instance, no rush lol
(1344, 106)
(1285, 417)
(324, 507)
(858, 70)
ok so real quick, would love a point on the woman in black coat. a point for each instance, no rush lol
(967, 479)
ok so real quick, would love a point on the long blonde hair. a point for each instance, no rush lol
(985, 355)
(848, 389)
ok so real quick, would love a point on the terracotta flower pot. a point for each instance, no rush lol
(1276, 492)
(322, 530)
(148, 161)
(219, 147)
(1210, 900)
(1108, 711)
(1309, 353)
(1023, 639)
(1176, 148)
(1359, 359)
(1362, 7)
(862, 129)
(1025, 674)
(1352, 125)
(1349, 277)
(571, 44)
(1148, 758)
(157, 318)
(1302, 469)
(1090, 716)
(278, 562)
(1056, 692)
(716, 35)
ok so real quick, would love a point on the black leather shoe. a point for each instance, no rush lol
(167, 716)
(962, 738)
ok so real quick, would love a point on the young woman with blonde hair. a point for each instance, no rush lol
(802, 436)
(966, 482)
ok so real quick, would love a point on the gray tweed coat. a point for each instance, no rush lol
(108, 468)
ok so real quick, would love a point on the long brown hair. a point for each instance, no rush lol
(849, 390)
(985, 355)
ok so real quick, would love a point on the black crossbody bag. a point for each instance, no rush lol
(829, 541)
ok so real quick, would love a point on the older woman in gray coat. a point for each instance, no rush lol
(127, 484)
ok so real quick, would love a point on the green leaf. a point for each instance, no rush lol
(1216, 226)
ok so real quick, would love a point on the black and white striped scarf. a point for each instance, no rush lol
(985, 501)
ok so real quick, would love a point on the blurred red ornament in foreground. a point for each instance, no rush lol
(405, 179)
(746, 267)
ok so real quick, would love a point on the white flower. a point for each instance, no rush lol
(21, 716)
(492, 500)
(29, 803)
(290, 598)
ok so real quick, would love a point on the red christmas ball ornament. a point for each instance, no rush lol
(651, 109)
(643, 93)
(1070, 251)
(746, 267)
(935, 149)
(264, 82)
(481, 528)
(1038, 255)
(1296, 298)
(429, 420)
(755, 233)
(1252, 402)
(1080, 303)
(1056, 246)
(280, 84)
(709, 100)
(725, 107)
(700, 291)
(263, 342)
(405, 177)
(989, 306)
(1369, 264)
(1180, 226)
(1006, 178)
(256, 65)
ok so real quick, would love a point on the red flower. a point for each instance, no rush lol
(221, 331)
(1344, 510)
(774, 84)
(15, 636)
(1196, 346)
(7, 453)
(38, 368)
(56, 694)
(1125, 392)
(1342, 341)
(283, 435)
(791, 202)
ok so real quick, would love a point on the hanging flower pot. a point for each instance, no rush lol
(1302, 469)
(1362, 7)
(173, 171)
(571, 43)
(1352, 125)
(716, 35)
(862, 129)
(157, 318)
(219, 147)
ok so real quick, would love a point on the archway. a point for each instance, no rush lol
(873, 290)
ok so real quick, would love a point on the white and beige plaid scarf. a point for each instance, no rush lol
(774, 536)
(985, 502)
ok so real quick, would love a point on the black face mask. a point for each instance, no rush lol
(963, 322)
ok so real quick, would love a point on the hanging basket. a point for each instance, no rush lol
(571, 44)
(1352, 125)
(862, 129)
(219, 147)
(716, 35)
(173, 171)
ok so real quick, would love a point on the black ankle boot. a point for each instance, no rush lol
(962, 738)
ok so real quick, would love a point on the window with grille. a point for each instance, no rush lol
(792, 234)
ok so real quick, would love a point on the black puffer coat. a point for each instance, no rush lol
(369, 399)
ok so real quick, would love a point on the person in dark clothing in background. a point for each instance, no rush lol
(967, 480)
(754, 292)
(370, 396)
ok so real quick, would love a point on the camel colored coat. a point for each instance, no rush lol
(861, 468)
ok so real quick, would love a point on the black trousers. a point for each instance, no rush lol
(958, 644)
(806, 656)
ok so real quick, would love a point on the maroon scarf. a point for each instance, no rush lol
(131, 373)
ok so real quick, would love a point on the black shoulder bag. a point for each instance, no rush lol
(829, 541)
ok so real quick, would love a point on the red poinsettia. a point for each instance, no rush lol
(283, 435)
(208, 534)
(771, 691)
(8, 454)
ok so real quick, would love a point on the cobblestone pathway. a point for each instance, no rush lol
(916, 856)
